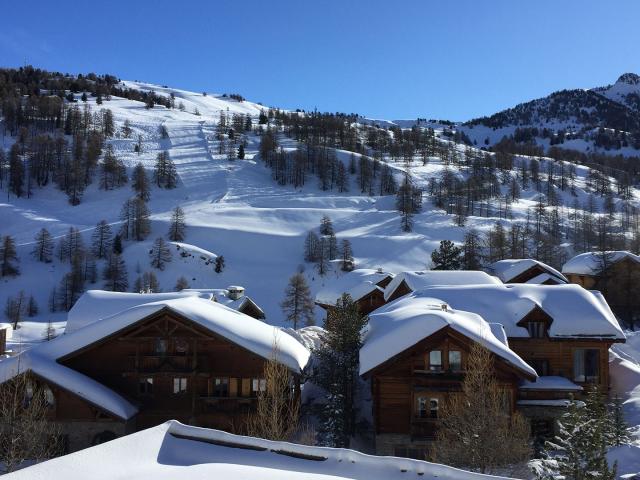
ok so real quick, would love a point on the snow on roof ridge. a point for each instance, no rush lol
(357, 284)
(587, 263)
(417, 280)
(510, 268)
(399, 325)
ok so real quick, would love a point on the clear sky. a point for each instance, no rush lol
(385, 59)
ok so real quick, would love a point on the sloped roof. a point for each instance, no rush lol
(238, 328)
(221, 295)
(429, 278)
(356, 283)
(507, 270)
(589, 263)
(401, 324)
(576, 312)
(173, 450)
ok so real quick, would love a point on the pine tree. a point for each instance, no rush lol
(101, 241)
(322, 259)
(43, 248)
(326, 226)
(140, 182)
(32, 307)
(126, 129)
(8, 257)
(160, 254)
(177, 225)
(347, 256)
(219, 264)
(117, 244)
(297, 305)
(241, 152)
(311, 245)
(408, 202)
(471, 251)
(447, 256)
(337, 371)
(618, 427)
(115, 274)
(181, 284)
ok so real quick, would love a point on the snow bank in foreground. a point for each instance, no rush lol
(173, 450)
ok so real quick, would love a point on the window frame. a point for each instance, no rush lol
(581, 365)
(182, 385)
(436, 367)
(145, 385)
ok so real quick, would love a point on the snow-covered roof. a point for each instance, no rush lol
(576, 312)
(429, 278)
(507, 270)
(94, 305)
(550, 383)
(238, 328)
(173, 450)
(221, 295)
(589, 263)
(356, 283)
(68, 379)
(399, 325)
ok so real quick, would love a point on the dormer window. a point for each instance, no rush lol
(536, 329)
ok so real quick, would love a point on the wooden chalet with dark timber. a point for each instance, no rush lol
(410, 386)
(526, 270)
(365, 286)
(188, 359)
(615, 274)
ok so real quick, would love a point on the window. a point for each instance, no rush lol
(455, 360)
(181, 346)
(585, 365)
(145, 385)
(433, 408)
(49, 397)
(421, 407)
(536, 329)
(540, 365)
(258, 385)
(161, 346)
(435, 360)
(180, 385)
(221, 387)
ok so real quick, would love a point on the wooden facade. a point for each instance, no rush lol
(409, 389)
(170, 368)
(3, 340)
(533, 272)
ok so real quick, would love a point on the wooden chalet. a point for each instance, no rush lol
(5, 334)
(365, 286)
(188, 359)
(526, 270)
(415, 354)
(615, 274)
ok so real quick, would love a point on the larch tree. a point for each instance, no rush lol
(140, 183)
(471, 251)
(43, 248)
(181, 284)
(177, 225)
(115, 274)
(477, 429)
(346, 251)
(101, 240)
(8, 257)
(297, 305)
(160, 254)
(408, 202)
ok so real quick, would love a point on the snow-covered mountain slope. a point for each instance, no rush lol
(173, 450)
(234, 209)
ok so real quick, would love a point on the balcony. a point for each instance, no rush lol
(159, 363)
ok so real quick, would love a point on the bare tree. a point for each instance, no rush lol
(278, 407)
(478, 431)
(25, 433)
(297, 304)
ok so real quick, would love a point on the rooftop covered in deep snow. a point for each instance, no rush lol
(590, 263)
(172, 450)
(401, 324)
(356, 283)
(576, 312)
(507, 270)
(429, 278)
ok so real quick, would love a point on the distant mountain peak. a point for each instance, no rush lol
(629, 78)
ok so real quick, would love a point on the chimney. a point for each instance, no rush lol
(443, 307)
(235, 292)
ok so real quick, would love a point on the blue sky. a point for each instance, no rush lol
(385, 59)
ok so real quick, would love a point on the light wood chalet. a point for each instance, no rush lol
(187, 359)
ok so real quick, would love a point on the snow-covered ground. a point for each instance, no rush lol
(173, 450)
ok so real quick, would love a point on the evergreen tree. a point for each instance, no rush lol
(219, 264)
(101, 241)
(326, 226)
(311, 245)
(146, 283)
(177, 225)
(447, 257)
(241, 152)
(115, 274)
(322, 259)
(619, 431)
(32, 307)
(408, 202)
(117, 244)
(297, 305)
(135, 220)
(337, 371)
(181, 284)
(126, 129)
(471, 251)
(43, 248)
(8, 257)
(16, 171)
(160, 254)
(347, 256)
